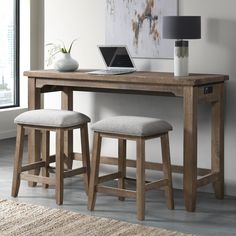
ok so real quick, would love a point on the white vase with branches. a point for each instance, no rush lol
(65, 63)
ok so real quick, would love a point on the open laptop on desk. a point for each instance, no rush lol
(117, 60)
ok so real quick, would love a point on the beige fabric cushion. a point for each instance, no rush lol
(132, 125)
(52, 118)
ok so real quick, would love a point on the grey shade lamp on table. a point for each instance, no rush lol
(181, 28)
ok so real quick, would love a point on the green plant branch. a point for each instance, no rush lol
(71, 45)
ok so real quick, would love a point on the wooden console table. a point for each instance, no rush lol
(194, 89)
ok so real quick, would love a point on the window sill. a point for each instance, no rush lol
(13, 109)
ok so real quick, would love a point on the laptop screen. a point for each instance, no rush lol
(116, 56)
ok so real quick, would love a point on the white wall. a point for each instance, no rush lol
(214, 53)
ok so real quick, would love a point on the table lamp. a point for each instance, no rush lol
(180, 28)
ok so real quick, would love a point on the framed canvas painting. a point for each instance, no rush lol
(138, 24)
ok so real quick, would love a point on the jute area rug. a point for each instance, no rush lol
(26, 219)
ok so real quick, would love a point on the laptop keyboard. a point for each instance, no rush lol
(111, 72)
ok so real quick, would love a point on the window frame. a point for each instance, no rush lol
(16, 69)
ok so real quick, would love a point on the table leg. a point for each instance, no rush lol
(217, 142)
(67, 104)
(190, 147)
(34, 136)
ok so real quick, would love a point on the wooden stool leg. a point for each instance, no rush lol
(85, 155)
(45, 154)
(94, 170)
(122, 164)
(140, 176)
(34, 142)
(18, 160)
(59, 165)
(167, 170)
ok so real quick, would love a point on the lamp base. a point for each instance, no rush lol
(181, 58)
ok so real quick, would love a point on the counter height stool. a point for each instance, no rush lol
(138, 129)
(46, 121)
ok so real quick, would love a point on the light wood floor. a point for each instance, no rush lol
(212, 217)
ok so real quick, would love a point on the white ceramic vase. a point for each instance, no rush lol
(66, 63)
(181, 58)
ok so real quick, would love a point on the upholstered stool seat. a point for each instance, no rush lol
(132, 125)
(45, 121)
(138, 129)
(52, 118)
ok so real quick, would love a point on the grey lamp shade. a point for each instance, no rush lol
(181, 27)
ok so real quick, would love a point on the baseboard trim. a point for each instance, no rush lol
(7, 126)
(8, 134)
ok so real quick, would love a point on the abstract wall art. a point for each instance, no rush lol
(138, 24)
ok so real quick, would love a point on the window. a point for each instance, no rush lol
(9, 56)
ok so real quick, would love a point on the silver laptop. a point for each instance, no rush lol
(117, 60)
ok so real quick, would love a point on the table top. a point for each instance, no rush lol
(143, 77)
